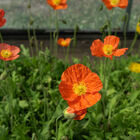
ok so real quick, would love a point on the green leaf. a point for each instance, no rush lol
(134, 95)
(25, 51)
(23, 104)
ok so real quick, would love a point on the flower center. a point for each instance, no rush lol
(64, 43)
(56, 2)
(114, 2)
(6, 53)
(107, 49)
(79, 88)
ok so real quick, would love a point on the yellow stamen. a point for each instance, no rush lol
(64, 43)
(114, 2)
(6, 53)
(56, 2)
(107, 49)
(79, 88)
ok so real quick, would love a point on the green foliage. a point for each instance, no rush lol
(30, 102)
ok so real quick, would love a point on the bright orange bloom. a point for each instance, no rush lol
(80, 87)
(57, 4)
(2, 19)
(108, 48)
(70, 113)
(115, 3)
(8, 52)
(64, 42)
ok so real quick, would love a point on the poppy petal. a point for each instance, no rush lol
(75, 73)
(2, 13)
(4, 46)
(80, 114)
(10, 58)
(96, 48)
(64, 6)
(66, 91)
(68, 40)
(15, 50)
(112, 40)
(85, 101)
(2, 22)
(123, 3)
(120, 52)
(93, 82)
(108, 4)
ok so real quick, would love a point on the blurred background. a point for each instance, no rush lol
(91, 15)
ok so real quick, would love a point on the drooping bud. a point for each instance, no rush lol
(69, 113)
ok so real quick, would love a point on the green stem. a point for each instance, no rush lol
(1, 38)
(125, 27)
(45, 102)
(74, 39)
(133, 43)
(103, 70)
(57, 125)
(30, 40)
(67, 54)
(35, 39)
(10, 98)
(55, 35)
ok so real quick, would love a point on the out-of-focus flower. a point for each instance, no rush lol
(57, 4)
(108, 48)
(8, 52)
(115, 3)
(138, 27)
(80, 87)
(2, 19)
(64, 42)
(134, 67)
(70, 113)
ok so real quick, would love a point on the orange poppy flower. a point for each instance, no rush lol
(8, 52)
(108, 48)
(115, 3)
(80, 86)
(57, 4)
(64, 42)
(2, 20)
(70, 113)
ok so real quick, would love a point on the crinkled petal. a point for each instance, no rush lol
(85, 101)
(93, 82)
(75, 73)
(96, 48)
(66, 91)
(123, 3)
(120, 52)
(112, 40)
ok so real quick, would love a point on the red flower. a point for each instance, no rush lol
(8, 52)
(115, 3)
(80, 87)
(108, 48)
(70, 113)
(57, 4)
(64, 42)
(2, 19)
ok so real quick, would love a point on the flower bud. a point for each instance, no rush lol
(69, 113)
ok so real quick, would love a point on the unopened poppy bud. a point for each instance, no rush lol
(68, 113)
